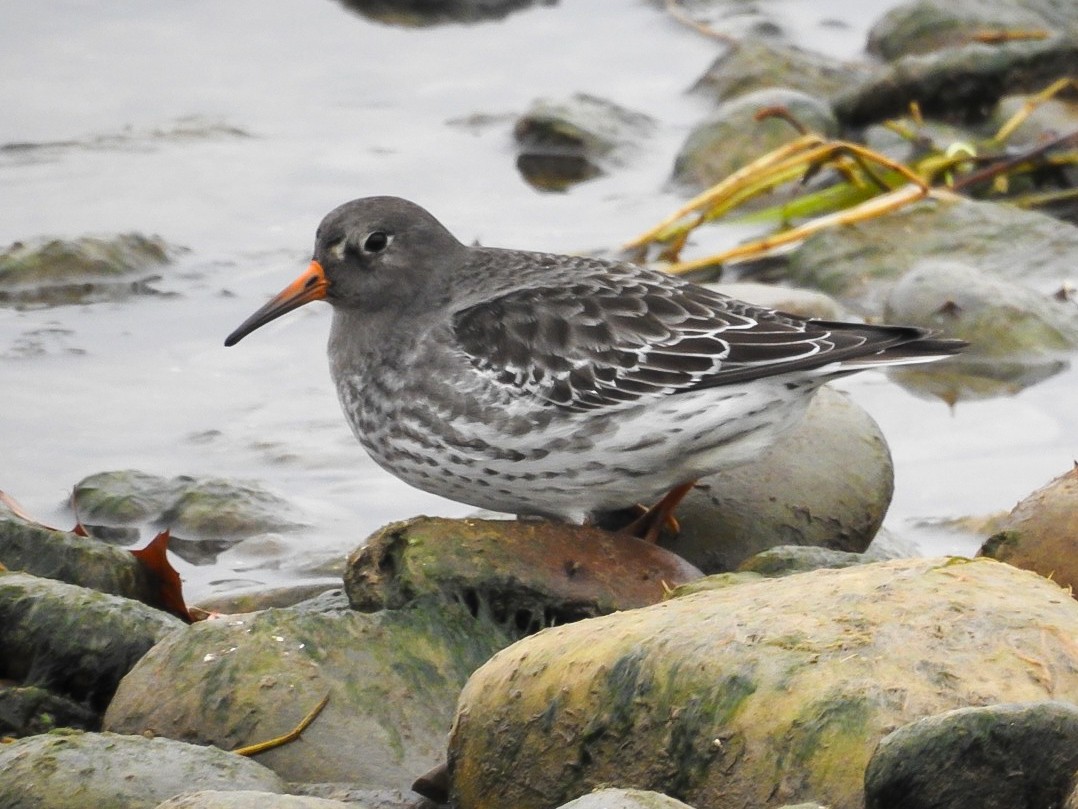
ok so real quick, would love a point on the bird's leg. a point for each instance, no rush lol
(649, 525)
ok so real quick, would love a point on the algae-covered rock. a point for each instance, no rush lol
(75, 770)
(760, 693)
(828, 483)
(416, 13)
(992, 757)
(522, 575)
(1041, 532)
(786, 560)
(735, 136)
(57, 271)
(560, 142)
(68, 557)
(392, 679)
(70, 640)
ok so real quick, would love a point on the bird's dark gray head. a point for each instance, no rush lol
(370, 254)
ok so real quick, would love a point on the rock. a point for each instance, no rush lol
(763, 692)
(733, 136)
(991, 757)
(757, 64)
(563, 142)
(960, 83)
(67, 557)
(522, 575)
(858, 263)
(922, 26)
(248, 799)
(74, 642)
(75, 770)
(1041, 532)
(254, 600)
(28, 710)
(415, 13)
(786, 560)
(392, 678)
(358, 798)
(192, 508)
(800, 302)
(998, 317)
(827, 483)
(53, 272)
(624, 799)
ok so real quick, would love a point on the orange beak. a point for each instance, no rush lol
(311, 286)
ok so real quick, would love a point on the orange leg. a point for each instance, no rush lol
(649, 525)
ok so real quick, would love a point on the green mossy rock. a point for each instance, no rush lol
(392, 678)
(759, 693)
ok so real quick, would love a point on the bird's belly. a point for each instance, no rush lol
(571, 464)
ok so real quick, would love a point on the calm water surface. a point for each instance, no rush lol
(231, 128)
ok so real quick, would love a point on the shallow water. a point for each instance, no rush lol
(231, 128)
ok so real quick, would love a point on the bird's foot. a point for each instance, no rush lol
(650, 523)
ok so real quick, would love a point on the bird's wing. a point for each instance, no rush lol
(619, 334)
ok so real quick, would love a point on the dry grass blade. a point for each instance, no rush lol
(291, 736)
(1031, 104)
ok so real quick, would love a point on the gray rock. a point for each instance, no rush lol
(73, 641)
(827, 483)
(761, 693)
(733, 137)
(249, 799)
(921, 26)
(785, 560)
(800, 302)
(858, 263)
(756, 64)
(75, 770)
(415, 13)
(613, 798)
(1018, 756)
(392, 678)
(28, 710)
(560, 142)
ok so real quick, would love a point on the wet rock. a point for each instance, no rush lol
(75, 770)
(67, 557)
(922, 26)
(564, 142)
(799, 302)
(392, 678)
(786, 560)
(359, 798)
(992, 757)
(827, 483)
(205, 515)
(70, 640)
(231, 603)
(759, 693)
(858, 263)
(960, 83)
(756, 64)
(1041, 532)
(27, 710)
(523, 575)
(613, 798)
(1001, 319)
(733, 136)
(415, 13)
(248, 799)
(53, 272)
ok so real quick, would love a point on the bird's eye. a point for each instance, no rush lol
(376, 242)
